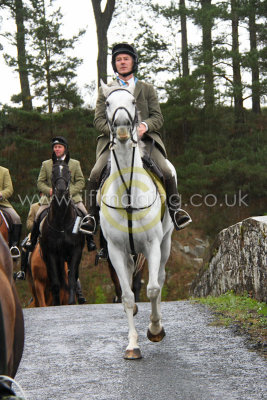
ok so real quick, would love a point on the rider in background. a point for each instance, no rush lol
(125, 63)
(44, 184)
(6, 191)
(21, 275)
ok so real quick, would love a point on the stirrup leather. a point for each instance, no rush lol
(184, 214)
(88, 219)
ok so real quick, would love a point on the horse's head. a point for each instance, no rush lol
(121, 112)
(60, 178)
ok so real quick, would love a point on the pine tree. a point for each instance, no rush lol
(19, 13)
(51, 67)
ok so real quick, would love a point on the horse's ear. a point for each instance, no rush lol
(105, 88)
(67, 158)
(54, 157)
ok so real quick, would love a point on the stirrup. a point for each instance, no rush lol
(184, 215)
(15, 252)
(102, 254)
(20, 276)
(85, 222)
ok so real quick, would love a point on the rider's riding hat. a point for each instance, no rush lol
(125, 48)
(60, 140)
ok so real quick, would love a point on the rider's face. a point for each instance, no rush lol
(59, 150)
(124, 64)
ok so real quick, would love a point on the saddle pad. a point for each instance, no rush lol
(156, 181)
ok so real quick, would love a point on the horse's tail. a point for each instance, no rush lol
(3, 353)
(139, 260)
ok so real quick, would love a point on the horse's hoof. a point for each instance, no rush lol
(135, 309)
(134, 354)
(156, 338)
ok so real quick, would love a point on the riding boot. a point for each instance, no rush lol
(179, 217)
(93, 210)
(30, 245)
(91, 246)
(21, 275)
(81, 299)
(14, 240)
(102, 254)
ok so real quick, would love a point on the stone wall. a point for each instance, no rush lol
(237, 261)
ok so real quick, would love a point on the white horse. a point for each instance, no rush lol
(132, 214)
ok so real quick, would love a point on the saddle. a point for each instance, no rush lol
(148, 164)
(42, 218)
(151, 168)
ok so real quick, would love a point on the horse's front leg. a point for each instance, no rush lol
(155, 331)
(74, 274)
(121, 264)
(51, 263)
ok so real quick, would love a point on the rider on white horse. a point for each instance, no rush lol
(125, 63)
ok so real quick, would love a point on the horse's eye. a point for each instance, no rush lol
(134, 102)
(107, 103)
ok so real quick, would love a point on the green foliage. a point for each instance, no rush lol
(238, 307)
(100, 297)
(244, 314)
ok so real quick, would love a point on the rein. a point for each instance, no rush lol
(128, 208)
(67, 181)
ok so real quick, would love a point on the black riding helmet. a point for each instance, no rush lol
(60, 140)
(125, 48)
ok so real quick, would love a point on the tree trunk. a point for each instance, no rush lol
(255, 73)
(185, 63)
(103, 20)
(237, 83)
(207, 56)
(22, 60)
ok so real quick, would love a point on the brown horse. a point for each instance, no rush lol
(40, 284)
(11, 316)
(136, 282)
(4, 226)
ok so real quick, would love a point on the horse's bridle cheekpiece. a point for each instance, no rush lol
(128, 208)
(134, 121)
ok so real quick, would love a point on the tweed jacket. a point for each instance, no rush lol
(148, 110)
(6, 187)
(77, 182)
(32, 214)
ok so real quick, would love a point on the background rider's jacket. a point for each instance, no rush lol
(6, 187)
(77, 182)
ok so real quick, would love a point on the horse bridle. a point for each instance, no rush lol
(67, 181)
(128, 208)
(133, 120)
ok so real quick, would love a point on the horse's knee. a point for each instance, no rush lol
(153, 292)
(128, 300)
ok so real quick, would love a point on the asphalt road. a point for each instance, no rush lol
(76, 352)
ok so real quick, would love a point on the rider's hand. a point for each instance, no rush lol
(50, 192)
(141, 129)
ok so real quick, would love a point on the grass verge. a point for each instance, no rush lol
(242, 314)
